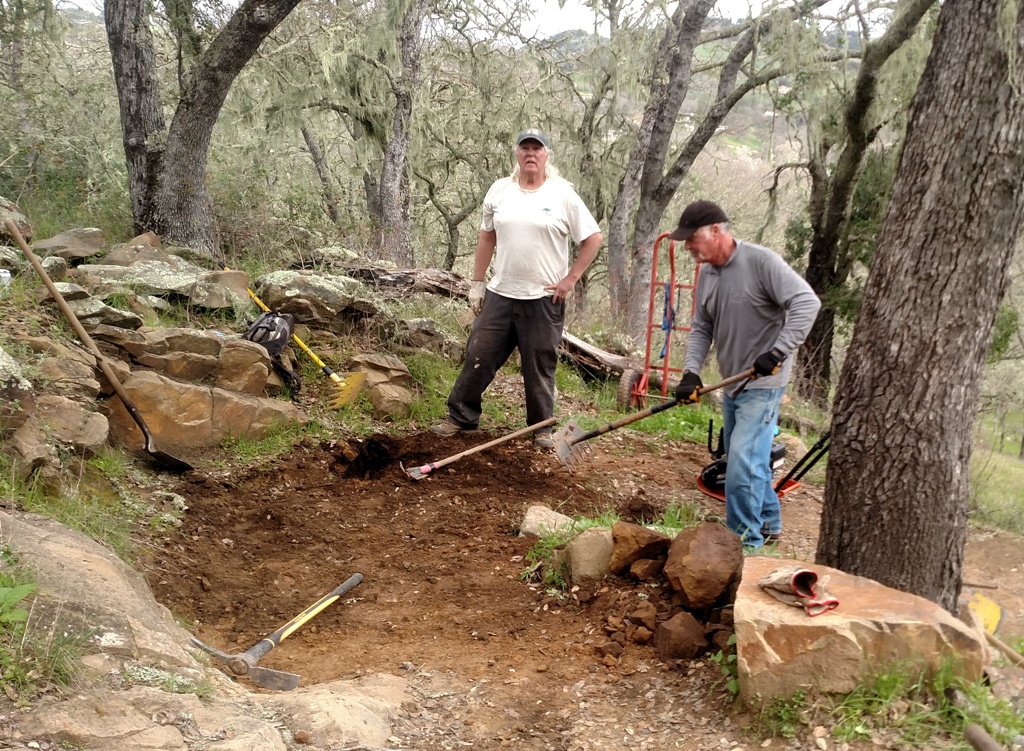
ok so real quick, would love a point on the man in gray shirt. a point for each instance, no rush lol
(757, 311)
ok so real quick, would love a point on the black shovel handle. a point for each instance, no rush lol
(623, 421)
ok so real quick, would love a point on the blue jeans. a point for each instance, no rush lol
(751, 506)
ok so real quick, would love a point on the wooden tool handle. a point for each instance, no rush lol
(623, 421)
(496, 441)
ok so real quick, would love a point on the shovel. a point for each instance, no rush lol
(571, 441)
(162, 458)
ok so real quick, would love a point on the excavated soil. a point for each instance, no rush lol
(497, 661)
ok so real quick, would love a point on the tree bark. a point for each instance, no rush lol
(168, 189)
(896, 495)
(396, 225)
(138, 95)
(669, 85)
(323, 173)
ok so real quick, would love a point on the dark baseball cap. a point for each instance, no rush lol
(533, 134)
(698, 214)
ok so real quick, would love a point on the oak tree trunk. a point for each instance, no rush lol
(323, 173)
(167, 171)
(832, 189)
(896, 497)
(396, 224)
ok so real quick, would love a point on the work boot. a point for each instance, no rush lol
(448, 429)
(542, 439)
(772, 538)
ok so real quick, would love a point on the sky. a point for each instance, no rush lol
(550, 19)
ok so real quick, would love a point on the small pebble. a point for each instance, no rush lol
(301, 736)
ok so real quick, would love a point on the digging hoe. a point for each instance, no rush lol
(246, 662)
(571, 441)
(418, 473)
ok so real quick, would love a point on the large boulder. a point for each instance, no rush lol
(136, 645)
(782, 650)
(185, 415)
(71, 424)
(703, 564)
(633, 542)
(10, 210)
(389, 384)
(327, 301)
(73, 245)
(147, 271)
(17, 397)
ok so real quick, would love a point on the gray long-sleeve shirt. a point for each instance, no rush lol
(752, 303)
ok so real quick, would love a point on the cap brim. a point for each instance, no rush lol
(531, 138)
(682, 233)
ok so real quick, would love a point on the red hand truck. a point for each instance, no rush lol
(635, 386)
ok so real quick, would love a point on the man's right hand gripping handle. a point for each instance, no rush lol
(688, 390)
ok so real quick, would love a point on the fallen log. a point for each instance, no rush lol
(434, 281)
(594, 360)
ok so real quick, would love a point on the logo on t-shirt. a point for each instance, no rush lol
(546, 210)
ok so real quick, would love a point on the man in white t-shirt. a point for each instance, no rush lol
(528, 221)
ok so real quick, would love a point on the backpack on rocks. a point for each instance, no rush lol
(273, 331)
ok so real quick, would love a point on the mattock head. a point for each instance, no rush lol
(569, 449)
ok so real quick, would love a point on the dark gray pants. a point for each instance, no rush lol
(535, 327)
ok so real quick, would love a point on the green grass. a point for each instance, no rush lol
(275, 443)
(58, 205)
(997, 490)
(995, 439)
(35, 658)
(902, 706)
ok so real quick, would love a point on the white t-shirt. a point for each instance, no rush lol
(533, 228)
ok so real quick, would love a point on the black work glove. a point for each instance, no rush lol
(688, 390)
(768, 363)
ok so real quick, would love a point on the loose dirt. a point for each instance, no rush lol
(498, 662)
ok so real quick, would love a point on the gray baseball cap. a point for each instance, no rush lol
(533, 134)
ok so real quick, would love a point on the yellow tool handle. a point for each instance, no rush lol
(302, 345)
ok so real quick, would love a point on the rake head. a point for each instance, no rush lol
(569, 446)
(346, 388)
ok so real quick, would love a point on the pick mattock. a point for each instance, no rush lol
(418, 473)
(346, 387)
(277, 680)
(571, 441)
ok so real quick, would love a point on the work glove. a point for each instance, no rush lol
(799, 587)
(477, 291)
(768, 363)
(688, 390)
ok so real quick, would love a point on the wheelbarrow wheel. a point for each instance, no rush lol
(628, 397)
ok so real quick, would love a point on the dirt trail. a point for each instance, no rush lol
(498, 662)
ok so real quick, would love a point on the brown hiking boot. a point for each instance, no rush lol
(448, 429)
